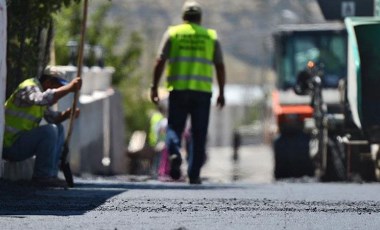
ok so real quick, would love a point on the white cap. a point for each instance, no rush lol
(59, 74)
(191, 7)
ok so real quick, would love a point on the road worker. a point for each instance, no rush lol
(192, 51)
(24, 137)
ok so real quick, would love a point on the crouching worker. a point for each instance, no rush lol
(23, 135)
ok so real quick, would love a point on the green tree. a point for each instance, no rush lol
(29, 36)
(123, 56)
(130, 83)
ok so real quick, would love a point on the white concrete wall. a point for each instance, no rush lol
(3, 72)
(239, 100)
(97, 142)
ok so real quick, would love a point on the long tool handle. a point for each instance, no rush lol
(79, 71)
(65, 166)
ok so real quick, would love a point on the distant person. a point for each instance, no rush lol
(192, 51)
(157, 135)
(23, 135)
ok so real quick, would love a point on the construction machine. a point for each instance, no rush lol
(296, 45)
(326, 102)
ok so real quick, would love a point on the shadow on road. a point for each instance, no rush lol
(24, 199)
(19, 199)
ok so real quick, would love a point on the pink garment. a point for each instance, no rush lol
(164, 167)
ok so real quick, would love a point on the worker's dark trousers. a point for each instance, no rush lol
(45, 142)
(197, 105)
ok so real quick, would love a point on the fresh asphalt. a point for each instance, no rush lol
(238, 198)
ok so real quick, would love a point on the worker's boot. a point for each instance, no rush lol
(175, 166)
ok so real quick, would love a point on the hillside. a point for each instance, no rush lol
(244, 27)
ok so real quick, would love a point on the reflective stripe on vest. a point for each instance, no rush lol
(11, 129)
(19, 119)
(191, 58)
(22, 114)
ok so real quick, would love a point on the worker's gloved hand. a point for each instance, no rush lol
(77, 112)
(75, 84)
(67, 113)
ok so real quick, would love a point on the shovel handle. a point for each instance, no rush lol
(79, 71)
(65, 166)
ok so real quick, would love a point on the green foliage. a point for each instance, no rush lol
(124, 56)
(29, 35)
(129, 81)
(67, 27)
(32, 24)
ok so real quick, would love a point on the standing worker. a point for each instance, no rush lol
(23, 135)
(191, 51)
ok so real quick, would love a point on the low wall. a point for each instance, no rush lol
(240, 100)
(97, 142)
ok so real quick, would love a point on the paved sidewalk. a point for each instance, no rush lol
(254, 165)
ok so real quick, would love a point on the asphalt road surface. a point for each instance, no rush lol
(231, 198)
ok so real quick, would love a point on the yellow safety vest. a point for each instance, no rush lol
(20, 119)
(191, 57)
